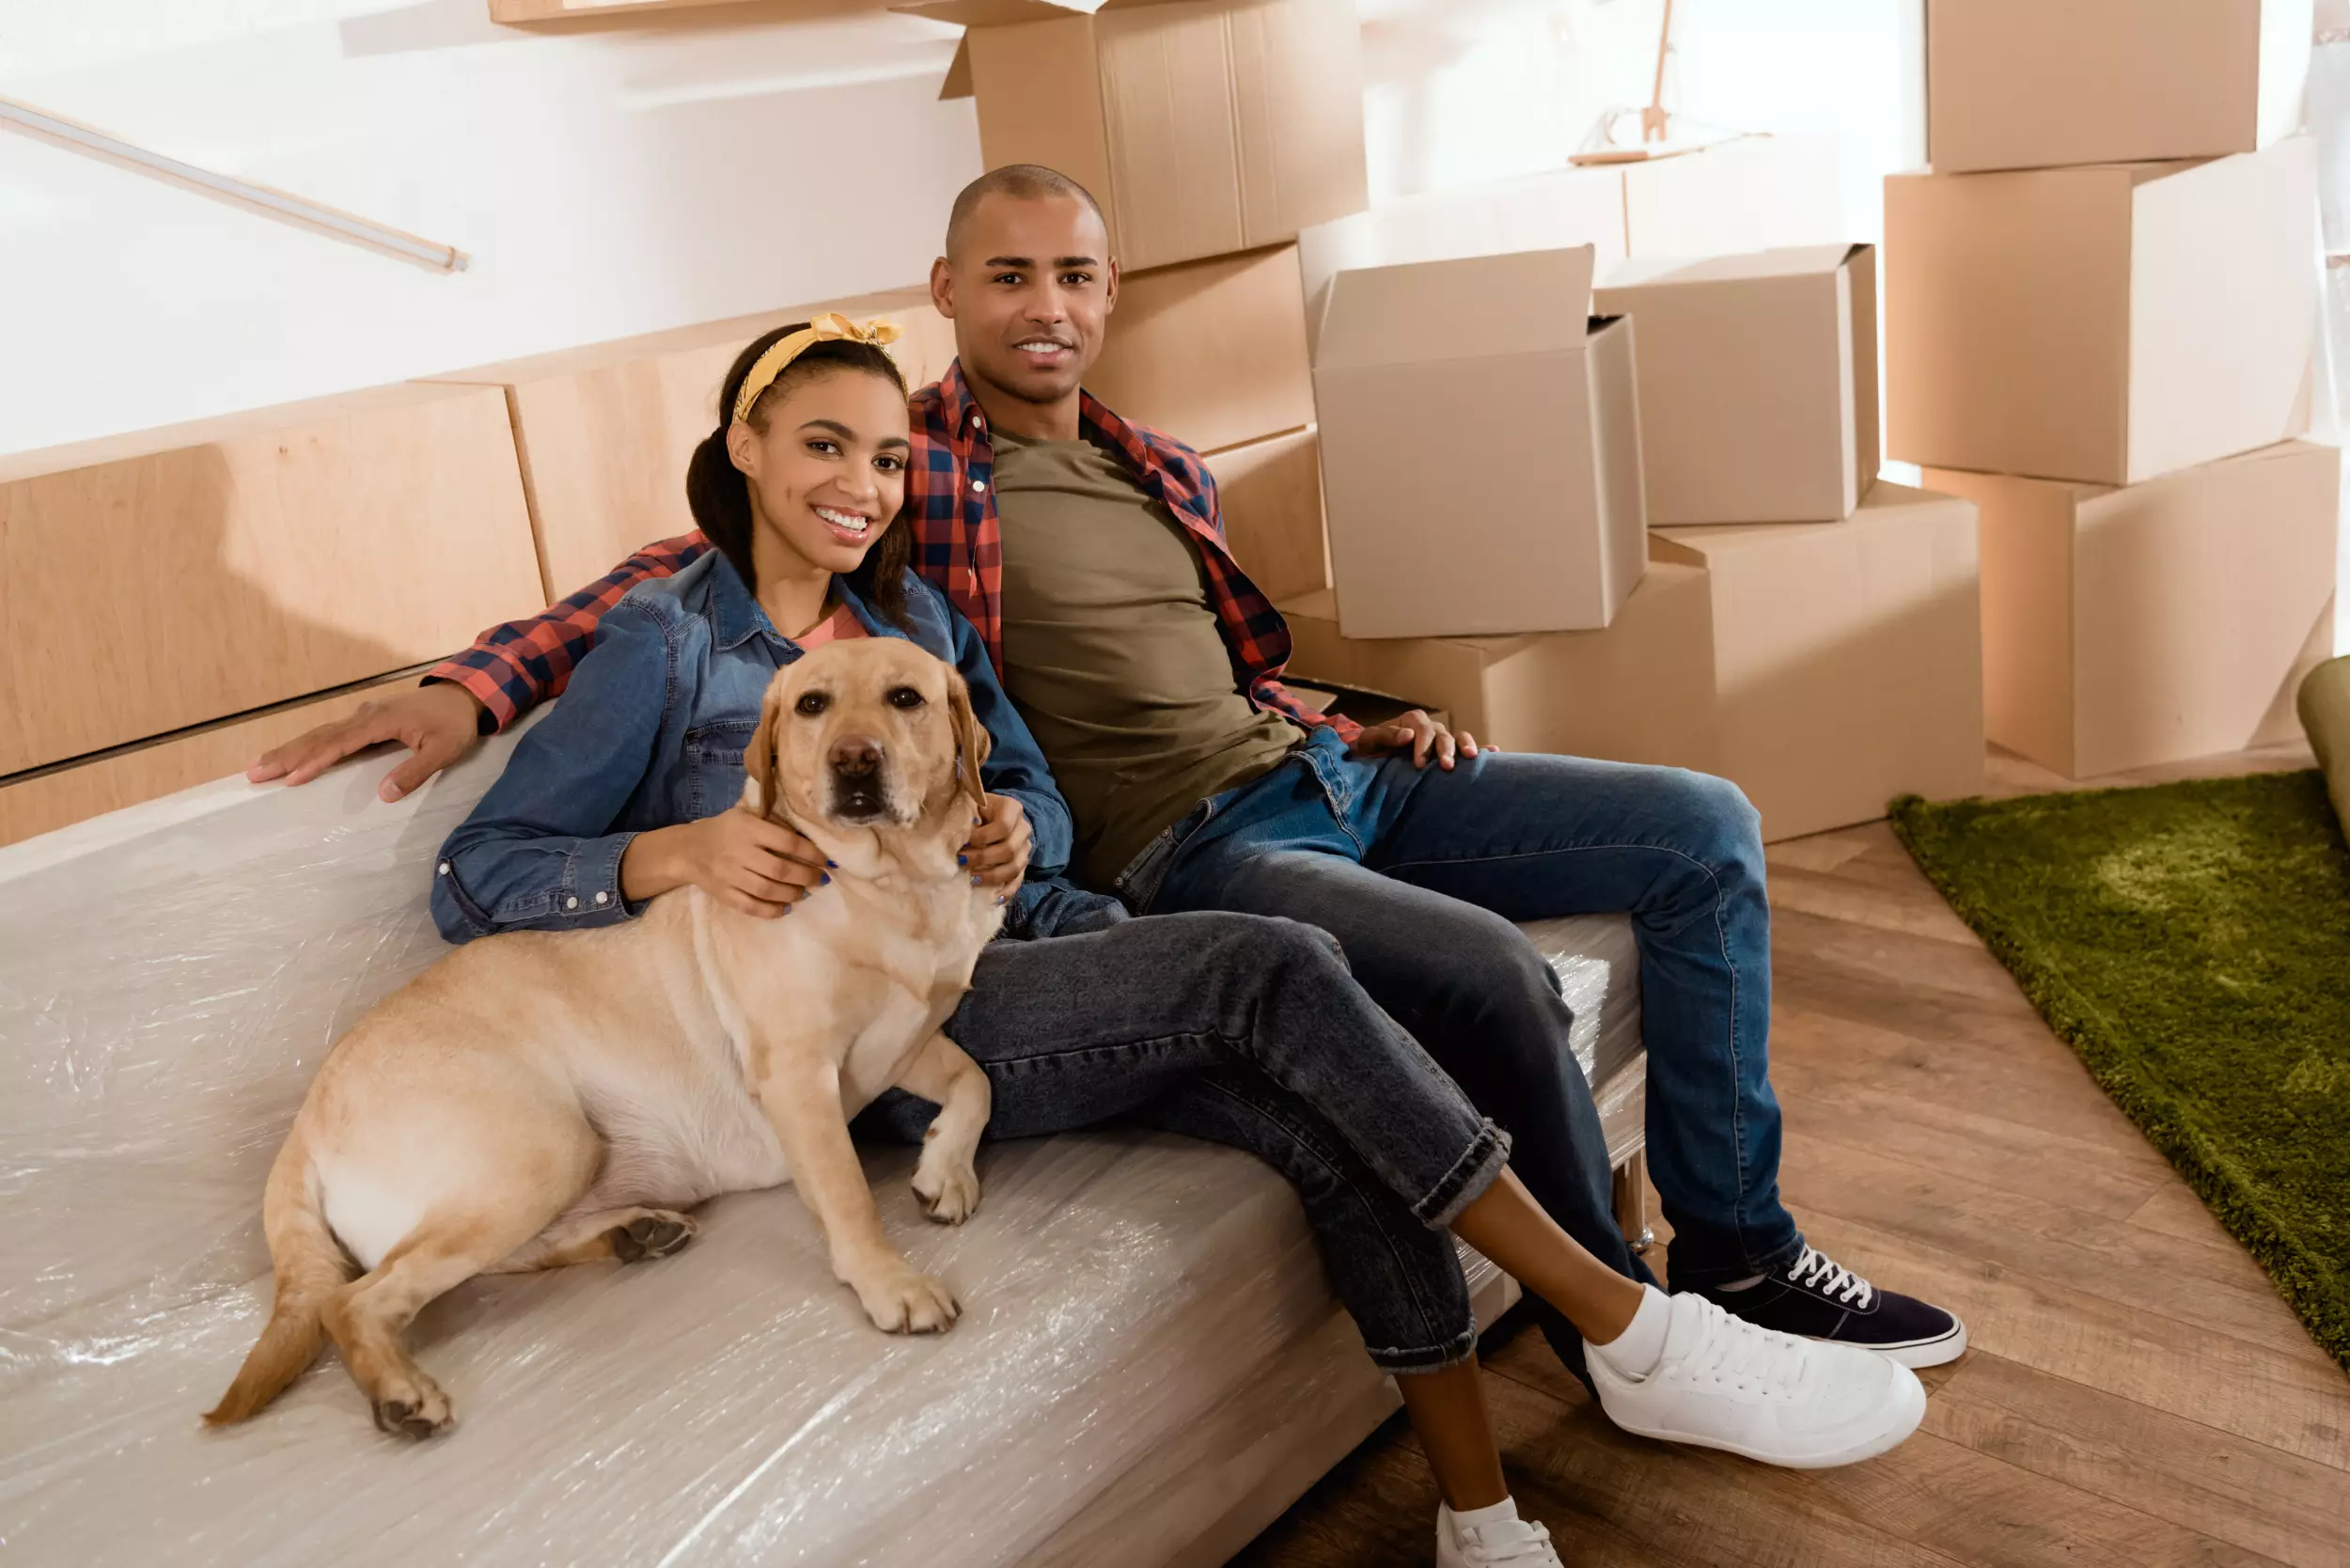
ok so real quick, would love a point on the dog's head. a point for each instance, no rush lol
(872, 732)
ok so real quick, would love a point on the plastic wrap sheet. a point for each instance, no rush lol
(169, 979)
(1598, 965)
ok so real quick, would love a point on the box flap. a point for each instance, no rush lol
(1475, 306)
(957, 82)
(1790, 262)
(1009, 14)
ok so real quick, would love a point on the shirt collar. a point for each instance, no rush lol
(736, 616)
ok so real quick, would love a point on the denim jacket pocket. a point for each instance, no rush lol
(714, 766)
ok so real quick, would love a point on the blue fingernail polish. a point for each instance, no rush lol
(974, 879)
(833, 864)
(963, 860)
(823, 880)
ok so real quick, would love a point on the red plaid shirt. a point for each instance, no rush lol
(958, 545)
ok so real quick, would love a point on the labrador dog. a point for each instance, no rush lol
(543, 1098)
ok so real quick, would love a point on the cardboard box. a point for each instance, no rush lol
(1201, 127)
(179, 575)
(1744, 193)
(1641, 691)
(2037, 84)
(605, 431)
(1270, 492)
(1481, 439)
(1758, 380)
(1823, 668)
(1556, 209)
(2103, 325)
(1847, 657)
(2124, 628)
(1212, 353)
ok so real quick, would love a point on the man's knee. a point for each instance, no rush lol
(1715, 823)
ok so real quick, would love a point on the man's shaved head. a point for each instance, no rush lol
(1021, 182)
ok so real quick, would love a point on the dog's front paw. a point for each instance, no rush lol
(412, 1406)
(949, 1187)
(904, 1302)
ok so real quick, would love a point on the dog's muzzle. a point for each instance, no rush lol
(860, 782)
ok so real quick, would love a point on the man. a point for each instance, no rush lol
(1088, 553)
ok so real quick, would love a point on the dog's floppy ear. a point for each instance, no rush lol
(758, 759)
(972, 741)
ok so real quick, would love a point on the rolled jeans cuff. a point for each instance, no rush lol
(1479, 1166)
(1428, 1359)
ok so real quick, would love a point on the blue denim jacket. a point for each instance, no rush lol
(650, 732)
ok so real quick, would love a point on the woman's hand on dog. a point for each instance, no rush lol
(996, 854)
(745, 862)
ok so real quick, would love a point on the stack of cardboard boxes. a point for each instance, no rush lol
(1654, 534)
(1211, 133)
(2100, 312)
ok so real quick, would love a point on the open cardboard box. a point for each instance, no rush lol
(1481, 447)
(1758, 379)
(2103, 325)
(2041, 83)
(1200, 127)
(2124, 628)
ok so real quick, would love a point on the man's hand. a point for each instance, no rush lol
(745, 862)
(438, 723)
(998, 851)
(1423, 735)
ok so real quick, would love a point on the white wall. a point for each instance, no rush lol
(1478, 89)
(606, 182)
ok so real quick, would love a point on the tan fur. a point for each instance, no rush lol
(545, 1098)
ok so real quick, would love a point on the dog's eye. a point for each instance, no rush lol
(811, 703)
(904, 697)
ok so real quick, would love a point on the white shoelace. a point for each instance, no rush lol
(1504, 1542)
(1821, 1273)
(1746, 1355)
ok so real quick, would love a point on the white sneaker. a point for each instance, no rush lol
(1726, 1384)
(1498, 1541)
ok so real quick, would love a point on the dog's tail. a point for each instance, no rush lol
(310, 1268)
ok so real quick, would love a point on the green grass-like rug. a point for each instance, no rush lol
(2192, 942)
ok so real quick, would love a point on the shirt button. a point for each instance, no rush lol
(604, 898)
(978, 487)
(571, 902)
(444, 868)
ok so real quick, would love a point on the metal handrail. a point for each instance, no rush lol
(60, 132)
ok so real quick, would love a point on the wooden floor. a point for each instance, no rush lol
(2136, 1394)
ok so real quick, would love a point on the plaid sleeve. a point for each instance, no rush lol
(1270, 693)
(512, 668)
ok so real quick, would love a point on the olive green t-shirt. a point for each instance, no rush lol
(1113, 654)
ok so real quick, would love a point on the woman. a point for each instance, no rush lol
(1245, 1030)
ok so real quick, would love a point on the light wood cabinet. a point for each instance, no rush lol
(156, 581)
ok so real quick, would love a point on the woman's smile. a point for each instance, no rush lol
(850, 527)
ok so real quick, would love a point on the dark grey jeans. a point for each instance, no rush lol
(1248, 1031)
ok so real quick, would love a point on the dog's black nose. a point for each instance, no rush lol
(856, 756)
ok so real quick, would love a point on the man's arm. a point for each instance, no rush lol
(509, 670)
(512, 668)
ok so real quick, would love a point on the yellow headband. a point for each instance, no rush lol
(831, 326)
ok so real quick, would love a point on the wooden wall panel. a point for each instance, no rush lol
(156, 581)
(605, 431)
(83, 790)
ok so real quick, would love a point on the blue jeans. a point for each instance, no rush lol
(1249, 1032)
(1419, 872)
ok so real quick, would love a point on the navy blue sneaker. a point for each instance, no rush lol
(1814, 1298)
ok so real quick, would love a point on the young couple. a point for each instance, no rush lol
(1072, 567)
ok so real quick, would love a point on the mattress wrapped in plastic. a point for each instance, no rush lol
(1149, 1350)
